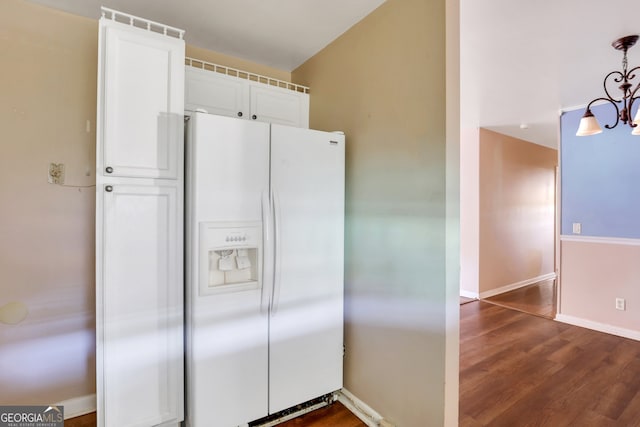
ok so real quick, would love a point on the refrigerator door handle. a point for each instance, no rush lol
(267, 270)
(275, 296)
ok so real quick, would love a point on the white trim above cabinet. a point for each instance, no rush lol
(232, 96)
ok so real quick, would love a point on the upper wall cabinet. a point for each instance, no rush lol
(281, 106)
(215, 93)
(143, 102)
(233, 96)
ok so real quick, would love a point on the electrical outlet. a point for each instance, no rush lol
(56, 173)
(620, 304)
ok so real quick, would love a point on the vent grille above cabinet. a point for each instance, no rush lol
(144, 24)
(246, 75)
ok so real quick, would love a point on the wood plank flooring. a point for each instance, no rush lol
(538, 299)
(522, 370)
(334, 415)
(88, 420)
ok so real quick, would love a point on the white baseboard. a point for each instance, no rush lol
(361, 410)
(600, 327)
(469, 294)
(78, 406)
(514, 286)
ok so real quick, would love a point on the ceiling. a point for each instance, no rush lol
(524, 61)
(279, 33)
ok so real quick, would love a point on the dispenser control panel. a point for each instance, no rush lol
(236, 238)
(230, 257)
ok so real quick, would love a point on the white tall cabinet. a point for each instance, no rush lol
(139, 223)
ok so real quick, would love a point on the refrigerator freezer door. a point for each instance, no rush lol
(228, 167)
(227, 332)
(306, 321)
(227, 367)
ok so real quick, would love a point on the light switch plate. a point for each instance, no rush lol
(577, 228)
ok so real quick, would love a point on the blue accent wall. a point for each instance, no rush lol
(600, 177)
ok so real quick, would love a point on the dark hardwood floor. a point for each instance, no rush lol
(522, 370)
(88, 420)
(335, 415)
(538, 299)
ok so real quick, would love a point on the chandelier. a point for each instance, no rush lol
(588, 124)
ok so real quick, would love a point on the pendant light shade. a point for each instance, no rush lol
(588, 125)
(636, 121)
(625, 81)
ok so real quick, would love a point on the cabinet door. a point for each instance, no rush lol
(141, 102)
(216, 93)
(276, 105)
(139, 305)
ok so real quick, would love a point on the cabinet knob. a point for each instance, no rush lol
(239, 113)
(254, 117)
(108, 188)
(109, 169)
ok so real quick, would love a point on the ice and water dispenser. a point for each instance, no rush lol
(230, 257)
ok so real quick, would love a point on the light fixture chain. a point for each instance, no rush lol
(624, 64)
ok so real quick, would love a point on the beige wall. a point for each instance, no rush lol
(48, 87)
(595, 273)
(240, 64)
(517, 215)
(383, 83)
(48, 92)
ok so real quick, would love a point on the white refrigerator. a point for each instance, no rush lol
(265, 246)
